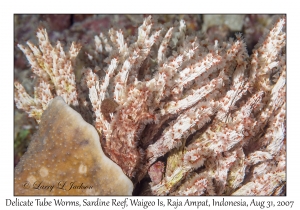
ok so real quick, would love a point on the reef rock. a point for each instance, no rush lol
(65, 158)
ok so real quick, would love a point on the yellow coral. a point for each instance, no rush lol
(65, 158)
